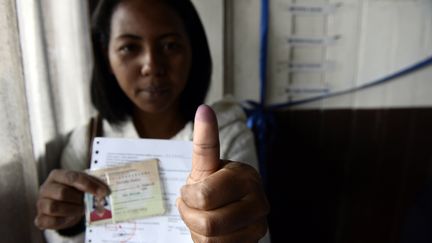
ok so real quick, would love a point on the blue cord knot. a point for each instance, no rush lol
(261, 121)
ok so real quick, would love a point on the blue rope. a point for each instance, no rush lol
(257, 117)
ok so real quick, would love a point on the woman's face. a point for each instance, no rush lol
(99, 203)
(149, 54)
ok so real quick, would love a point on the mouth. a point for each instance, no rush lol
(153, 91)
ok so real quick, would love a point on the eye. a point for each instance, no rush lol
(128, 49)
(171, 46)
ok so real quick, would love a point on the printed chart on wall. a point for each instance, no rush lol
(318, 47)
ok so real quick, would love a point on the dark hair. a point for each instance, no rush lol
(107, 96)
(104, 199)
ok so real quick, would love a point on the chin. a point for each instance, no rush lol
(155, 103)
(154, 108)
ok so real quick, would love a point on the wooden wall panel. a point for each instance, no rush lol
(346, 175)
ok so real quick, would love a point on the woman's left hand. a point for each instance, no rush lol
(223, 201)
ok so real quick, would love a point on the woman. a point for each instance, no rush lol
(152, 71)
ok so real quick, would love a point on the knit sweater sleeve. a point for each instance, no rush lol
(236, 139)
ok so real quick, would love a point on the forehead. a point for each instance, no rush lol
(145, 17)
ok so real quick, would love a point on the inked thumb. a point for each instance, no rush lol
(205, 156)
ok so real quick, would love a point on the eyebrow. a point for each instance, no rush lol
(137, 37)
(129, 36)
(174, 34)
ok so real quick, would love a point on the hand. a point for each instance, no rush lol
(60, 204)
(223, 201)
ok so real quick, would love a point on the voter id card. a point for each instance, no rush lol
(136, 193)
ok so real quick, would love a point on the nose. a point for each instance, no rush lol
(152, 63)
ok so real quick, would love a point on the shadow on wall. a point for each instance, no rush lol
(16, 218)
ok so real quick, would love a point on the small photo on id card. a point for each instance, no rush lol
(100, 209)
(136, 193)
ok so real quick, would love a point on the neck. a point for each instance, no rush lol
(100, 211)
(163, 125)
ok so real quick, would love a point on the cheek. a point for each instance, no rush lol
(182, 72)
(117, 65)
(122, 72)
(121, 78)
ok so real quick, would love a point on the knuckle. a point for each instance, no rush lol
(53, 207)
(62, 193)
(39, 205)
(43, 222)
(202, 239)
(203, 196)
(87, 184)
(71, 176)
(38, 222)
(54, 173)
(204, 148)
(245, 171)
(261, 229)
(252, 172)
(59, 222)
(43, 189)
(196, 238)
(208, 226)
(207, 240)
(261, 205)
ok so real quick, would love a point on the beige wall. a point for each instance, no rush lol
(211, 13)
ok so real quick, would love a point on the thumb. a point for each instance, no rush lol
(205, 156)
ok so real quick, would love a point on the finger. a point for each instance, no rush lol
(56, 208)
(43, 221)
(224, 220)
(61, 192)
(205, 157)
(229, 184)
(80, 181)
(250, 234)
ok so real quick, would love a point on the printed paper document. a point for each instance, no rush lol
(174, 160)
